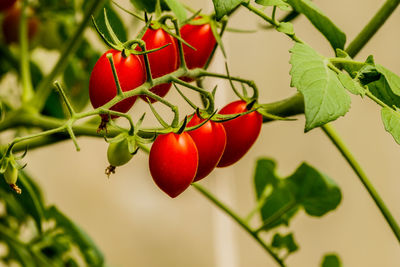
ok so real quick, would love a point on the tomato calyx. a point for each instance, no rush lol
(124, 146)
(204, 116)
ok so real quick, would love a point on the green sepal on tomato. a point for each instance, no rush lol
(241, 132)
(102, 86)
(163, 61)
(173, 162)
(210, 140)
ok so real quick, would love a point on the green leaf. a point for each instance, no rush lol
(331, 260)
(391, 121)
(392, 79)
(325, 98)
(91, 253)
(306, 187)
(281, 196)
(382, 90)
(335, 36)
(116, 23)
(351, 85)
(286, 27)
(13, 206)
(278, 3)
(178, 9)
(224, 7)
(316, 192)
(284, 242)
(148, 5)
(31, 199)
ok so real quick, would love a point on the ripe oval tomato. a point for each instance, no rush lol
(201, 38)
(163, 61)
(210, 140)
(6, 4)
(10, 26)
(241, 132)
(102, 87)
(173, 162)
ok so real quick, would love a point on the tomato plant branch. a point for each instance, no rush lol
(355, 46)
(207, 94)
(27, 88)
(336, 140)
(240, 221)
(291, 106)
(268, 19)
(202, 72)
(372, 27)
(44, 87)
(276, 216)
(260, 203)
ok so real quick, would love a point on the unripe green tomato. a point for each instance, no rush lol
(11, 174)
(118, 153)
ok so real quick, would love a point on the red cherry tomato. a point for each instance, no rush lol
(6, 4)
(241, 133)
(102, 87)
(173, 162)
(210, 140)
(163, 61)
(11, 26)
(201, 38)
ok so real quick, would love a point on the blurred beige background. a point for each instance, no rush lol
(135, 224)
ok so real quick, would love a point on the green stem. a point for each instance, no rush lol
(284, 108)
(333, 136)
(45, 86)
(277, 215)
(240, 221)
(260, 203)
(27, 88)
(268, 19)
(372, 27)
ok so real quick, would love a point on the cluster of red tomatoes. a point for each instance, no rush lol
(178, 159)
(131, 70)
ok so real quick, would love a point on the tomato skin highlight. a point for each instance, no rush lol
(102, 87)
(201, 38)
(6, 4)
(173, 162)
(10, 26)
(210, 140)
(241, 132)
(163, 61)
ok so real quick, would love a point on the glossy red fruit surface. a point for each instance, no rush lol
(210, 141)
(102, 87)
(201, 38)
(241, 132)
(163, 61)
(173, 162)
(10, 25)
